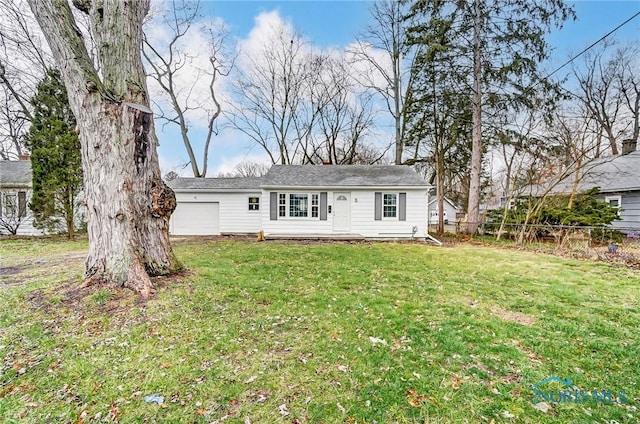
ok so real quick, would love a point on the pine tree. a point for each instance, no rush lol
(494, 50)
(56, 159)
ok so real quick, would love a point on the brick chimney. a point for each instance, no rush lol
(628, 146)
(24, 156)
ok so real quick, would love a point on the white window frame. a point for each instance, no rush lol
(312, 203)
(254, 206)
(618, 198)
(394, 206)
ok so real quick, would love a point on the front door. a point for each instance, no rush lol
(341, 212)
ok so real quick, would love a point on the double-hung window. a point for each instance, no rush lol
(314, 205)
(390, 205)
(254, 203)
(10, 206)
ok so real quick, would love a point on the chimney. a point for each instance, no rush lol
(628, 146)
(24, 156)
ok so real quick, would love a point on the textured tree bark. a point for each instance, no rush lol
(128, 204)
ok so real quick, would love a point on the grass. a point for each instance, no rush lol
(319, 333)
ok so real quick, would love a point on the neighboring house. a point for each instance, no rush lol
(450, 211)
(15, 194)
(618, 178)
(373, 201)
(619, 182)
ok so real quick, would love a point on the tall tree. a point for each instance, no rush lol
(128, 204)
(609, 92)
(24, 60)
(344, 116)
(179, 69)
(387, 74)
(56, 161)
(275, 107)
(437, 123)
(498, 46)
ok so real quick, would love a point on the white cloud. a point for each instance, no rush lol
(192, 53)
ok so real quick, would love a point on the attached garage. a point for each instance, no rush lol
(196, 219)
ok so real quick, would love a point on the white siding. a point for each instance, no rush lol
(449, 212)
(235, 216)
(362, 216)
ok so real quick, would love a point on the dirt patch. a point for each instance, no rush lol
(9, 270)
(11, 275)
(511, 316)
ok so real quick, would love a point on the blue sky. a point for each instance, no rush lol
(335, 24)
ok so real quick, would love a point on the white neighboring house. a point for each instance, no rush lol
(450, 211)
(372, 201)
(15, 194)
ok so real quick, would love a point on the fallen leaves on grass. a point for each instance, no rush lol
(511, 316)
(416, 400)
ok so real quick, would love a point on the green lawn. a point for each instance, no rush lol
(323, 333)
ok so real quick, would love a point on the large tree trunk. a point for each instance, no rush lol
(473, 209)
(128, 204)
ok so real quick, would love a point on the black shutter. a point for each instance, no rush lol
(378, 206)
(402, 214)
(323, 206)
(273, 205)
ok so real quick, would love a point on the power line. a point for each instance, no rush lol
(592, 45)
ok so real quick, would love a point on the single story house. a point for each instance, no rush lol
(618, 178)
(619, 182)
(450, 211)
(15, 194)
(372, 201)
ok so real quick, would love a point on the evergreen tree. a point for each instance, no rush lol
(490, 50)
(56, 160)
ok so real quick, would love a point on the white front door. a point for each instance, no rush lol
(341, 212)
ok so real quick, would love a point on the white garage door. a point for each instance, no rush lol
(202, 219)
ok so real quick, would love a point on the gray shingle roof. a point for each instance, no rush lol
(611, 174)
(342, 176)
(621, 173)
(15, 173)
(215, 183)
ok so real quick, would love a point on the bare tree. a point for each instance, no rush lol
(179, 70)
(274, 104)
(128, 204)
(344, 116)
(597, 77)
(628, 84)
(387, 74)
(24, 60)
(246, 169)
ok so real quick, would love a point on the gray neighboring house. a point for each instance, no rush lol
(15, 194)
(373, 201)
(618, 178)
